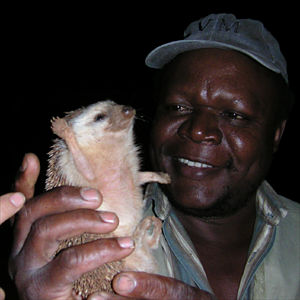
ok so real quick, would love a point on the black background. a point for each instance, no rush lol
(58, 58)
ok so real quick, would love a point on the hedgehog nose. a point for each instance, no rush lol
(127, 110)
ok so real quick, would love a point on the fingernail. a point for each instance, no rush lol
(126, 242)
(108, 217)
(17, 199)
(89, 194)
(125, 284)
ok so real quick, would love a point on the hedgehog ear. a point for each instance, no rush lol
(59, 127)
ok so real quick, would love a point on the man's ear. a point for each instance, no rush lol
(278, 134)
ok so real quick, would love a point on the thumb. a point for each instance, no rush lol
(28, 175)
(141, 285)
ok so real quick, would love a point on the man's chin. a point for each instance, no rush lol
(225, 206)
(220, 209)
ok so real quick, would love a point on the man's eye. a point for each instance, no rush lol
(234, 115)
(178, 108)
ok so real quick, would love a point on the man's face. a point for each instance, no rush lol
(214, 131)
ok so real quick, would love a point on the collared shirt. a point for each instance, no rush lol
(273, 267)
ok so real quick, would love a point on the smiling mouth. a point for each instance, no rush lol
(195, 164)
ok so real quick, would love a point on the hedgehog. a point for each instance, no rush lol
(96, 148)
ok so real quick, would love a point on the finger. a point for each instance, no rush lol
(9, 204)
(71, 263)
(47, 233)
(58, 200)
(28, 175)
(2, 294)
(148, 286)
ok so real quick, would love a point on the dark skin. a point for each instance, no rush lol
(59, 214)
(215, 108)
(50, 217)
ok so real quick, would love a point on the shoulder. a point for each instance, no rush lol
(282, 264)
(290, 204)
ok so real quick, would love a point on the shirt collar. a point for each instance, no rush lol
(269, 204)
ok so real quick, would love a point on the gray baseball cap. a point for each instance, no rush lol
(227, 32)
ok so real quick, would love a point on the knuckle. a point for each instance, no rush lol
(70, 258)
(40, 228)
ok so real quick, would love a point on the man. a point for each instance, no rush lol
(223, 102)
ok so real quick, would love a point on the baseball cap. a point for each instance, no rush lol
(225, 31)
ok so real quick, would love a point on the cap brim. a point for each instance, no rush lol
(164, 54)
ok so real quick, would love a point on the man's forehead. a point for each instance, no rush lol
(214, 63)
(222, 70)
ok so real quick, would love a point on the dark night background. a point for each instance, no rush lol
(58, 58)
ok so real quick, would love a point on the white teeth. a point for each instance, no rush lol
(193, 163)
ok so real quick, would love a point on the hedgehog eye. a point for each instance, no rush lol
(99, 117)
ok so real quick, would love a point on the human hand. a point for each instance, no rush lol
(139, 285)
(47, 219)
(10, 204)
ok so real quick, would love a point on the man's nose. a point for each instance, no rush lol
(202, 126)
